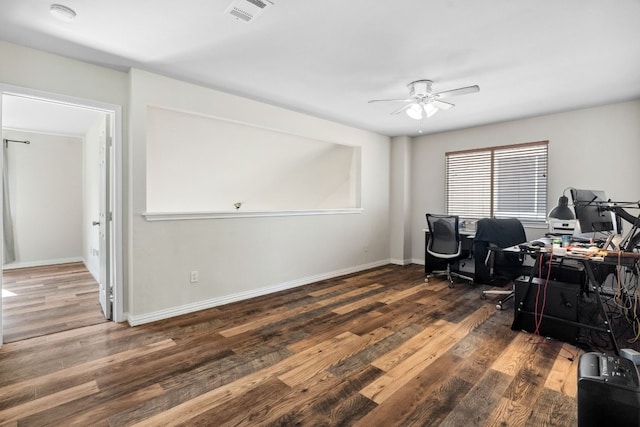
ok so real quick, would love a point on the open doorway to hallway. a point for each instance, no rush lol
(60, 212)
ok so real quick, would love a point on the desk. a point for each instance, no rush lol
(431, 263)
(561, 315)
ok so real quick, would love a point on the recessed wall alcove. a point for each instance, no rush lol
(198, 164)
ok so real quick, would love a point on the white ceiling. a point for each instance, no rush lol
(40, 116)
(328, 58)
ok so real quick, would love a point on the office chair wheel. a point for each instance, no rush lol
(499, 306)
(483, 296)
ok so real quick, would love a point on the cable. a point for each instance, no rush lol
(554, 348)
(544, 295)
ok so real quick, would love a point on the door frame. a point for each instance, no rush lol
(117, 262)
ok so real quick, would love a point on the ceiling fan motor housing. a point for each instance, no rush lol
(420, 88)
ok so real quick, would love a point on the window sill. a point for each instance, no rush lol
(183, 216)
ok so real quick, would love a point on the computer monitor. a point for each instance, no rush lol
(591, 213)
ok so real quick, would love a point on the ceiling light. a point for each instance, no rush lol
(415, 111)
(430, 110)
(247, 10)
(62, 12)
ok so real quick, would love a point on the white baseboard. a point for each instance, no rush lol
(400, 261)
(26, 264)
(135, 320)
(94, 270)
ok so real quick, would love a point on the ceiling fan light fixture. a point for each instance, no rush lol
(430, 110)
(415, 111)
(62, 12)
(423, 102)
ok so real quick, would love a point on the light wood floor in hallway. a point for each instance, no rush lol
(48, 299)
(377, 348)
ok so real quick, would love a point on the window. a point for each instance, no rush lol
(499, 182)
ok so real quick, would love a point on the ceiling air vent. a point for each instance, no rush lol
(247, 10)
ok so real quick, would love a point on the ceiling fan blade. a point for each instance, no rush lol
(389, 100)
(456, 92)
(442, 105)
(403, 108)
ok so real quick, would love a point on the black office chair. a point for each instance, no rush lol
(494, 265)
(445, 244)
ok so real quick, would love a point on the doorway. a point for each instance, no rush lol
(101, 227)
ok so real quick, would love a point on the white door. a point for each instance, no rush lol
(105, 221)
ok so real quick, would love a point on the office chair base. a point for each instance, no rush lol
(461, 276)
(450, 275)
(499, 306)
(437, 273)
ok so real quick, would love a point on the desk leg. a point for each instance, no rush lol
(431, 263)
(426, 254)
(595, 287)
(519, 306)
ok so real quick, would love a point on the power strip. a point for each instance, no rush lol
(630, 354)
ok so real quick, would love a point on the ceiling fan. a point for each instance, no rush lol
(423, 99)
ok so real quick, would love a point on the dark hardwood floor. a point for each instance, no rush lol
(48, 299)
(377, 348)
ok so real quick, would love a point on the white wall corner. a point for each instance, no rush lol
(399, 198)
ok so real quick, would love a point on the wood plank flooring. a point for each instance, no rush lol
(48, 299)
(377, 348)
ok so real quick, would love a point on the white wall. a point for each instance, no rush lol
(595, 148)
(39, 70)
(45, 180)
(241, 257)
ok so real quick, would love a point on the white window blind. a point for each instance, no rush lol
(499, 182)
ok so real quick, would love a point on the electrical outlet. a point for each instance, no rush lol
(194, 276)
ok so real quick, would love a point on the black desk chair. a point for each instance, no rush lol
(445, 244)
(493, 263)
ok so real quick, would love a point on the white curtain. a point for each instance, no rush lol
(9, 251)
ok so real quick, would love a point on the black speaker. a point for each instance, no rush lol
(608, 391)
(542, 301)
